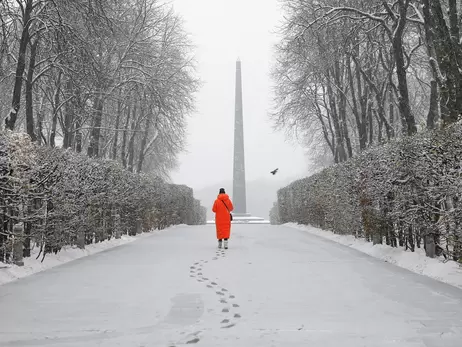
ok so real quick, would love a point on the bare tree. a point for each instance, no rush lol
(359, 70)
(108, 78)
(29, 13)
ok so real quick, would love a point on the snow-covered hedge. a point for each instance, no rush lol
(406, 193)
(54, 198)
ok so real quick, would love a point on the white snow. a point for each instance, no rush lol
(274, 286)
(32, 265)
(243, 221)
(448, 272)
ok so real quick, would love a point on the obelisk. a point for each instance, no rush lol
(239, 198)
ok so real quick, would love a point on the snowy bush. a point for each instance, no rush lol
(59, 198)
(406, 193)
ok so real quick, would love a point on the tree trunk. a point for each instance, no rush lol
(361, 134)
(454, 27)
(143, 145)
(380, 130)
(401, 234)
(345, 131)
(340, 153)
(339, 78)
(68, 117)
(124, 138)
(135, 127)
(10, 121)
(401, 73)
(430, 247)
(78, 135)
(391, 111)
(449, 55)
(327, 128)
(116, 135)
(27, 233)
(433, 112)
(41, 137)
(18, 251)
(39, 125)
(371, 123)
(131, 146)
(93, 148)
(29, 91)
(56, 108)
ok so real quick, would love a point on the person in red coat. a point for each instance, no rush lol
(223, 207)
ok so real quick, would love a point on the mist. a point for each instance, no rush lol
(223, 32)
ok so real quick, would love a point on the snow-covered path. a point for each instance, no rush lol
(275, 286)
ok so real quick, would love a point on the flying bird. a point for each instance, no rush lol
(274, 171)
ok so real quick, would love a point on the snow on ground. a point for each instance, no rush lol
(9, 272)
(275, 286)
(449, 272)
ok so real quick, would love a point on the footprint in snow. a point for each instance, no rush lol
(193, 341)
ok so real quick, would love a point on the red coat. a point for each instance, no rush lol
(222, 218)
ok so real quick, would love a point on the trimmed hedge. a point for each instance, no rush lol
(62, 198)
(406, 193)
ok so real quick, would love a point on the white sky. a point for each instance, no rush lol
(222, 31)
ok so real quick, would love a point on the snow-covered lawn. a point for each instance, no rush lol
(449, 272)
(32, 265)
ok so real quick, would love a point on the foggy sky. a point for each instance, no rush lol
(222, 31)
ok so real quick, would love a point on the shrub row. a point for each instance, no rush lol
(406, 193)
(52, 198)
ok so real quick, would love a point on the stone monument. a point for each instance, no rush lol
(239, 191)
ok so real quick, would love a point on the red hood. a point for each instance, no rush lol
(223, 197)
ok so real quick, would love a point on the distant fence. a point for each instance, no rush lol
(406, 193)
(51, 198)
